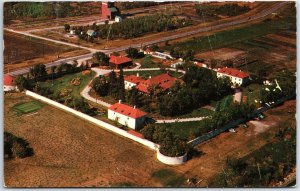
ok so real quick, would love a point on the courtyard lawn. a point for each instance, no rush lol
(252, 92)
(147, 62)
(186, 130)
(201, 112)
(147, 74)
(64, 82)
(27, 107)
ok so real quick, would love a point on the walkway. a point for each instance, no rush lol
(85, 92)
(181, 120)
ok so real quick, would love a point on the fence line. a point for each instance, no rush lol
(93, 120)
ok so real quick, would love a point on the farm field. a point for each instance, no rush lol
(21, 51)
(69, 152)
(59, 34)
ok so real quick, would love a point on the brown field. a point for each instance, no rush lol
(21, 51)
(70, 152)
(221, 54)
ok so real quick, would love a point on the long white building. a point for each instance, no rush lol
(127, 115)
(237, 77)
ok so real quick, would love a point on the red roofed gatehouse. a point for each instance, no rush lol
(237, 77)
(127, 115)
(9, 83)
(119, 61)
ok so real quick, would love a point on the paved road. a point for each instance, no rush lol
(258, 16)
(23, 71)
(52, 40)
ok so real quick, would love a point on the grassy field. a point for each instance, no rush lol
(185, 130)
(201, 112)
(229, 37)
(147, 74)
(147, 62)
(27, 107)
(65, 83)
(168, 178)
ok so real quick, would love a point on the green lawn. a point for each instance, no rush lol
(147, 62)
(168, 178)
(184, 130)
(65, 83)
(27, 107)
(201, 112)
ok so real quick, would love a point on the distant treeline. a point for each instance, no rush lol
(135, 27)
(133, 5)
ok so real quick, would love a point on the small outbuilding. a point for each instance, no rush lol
(91, 33)
(119, 61)
(9, 83)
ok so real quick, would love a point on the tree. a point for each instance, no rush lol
(113, 85)
(101, 58)
(132, 52)
(22, 83)
(121, 86)
(100, 86)
(67, 27)
(38, 70)
(134, 97)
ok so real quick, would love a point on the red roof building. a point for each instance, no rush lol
(233, 72)
(237, 77)
(8, 80)
(126, 115)
(165, 81)
(131, 81)
(9, 83)
(119, 61)
(127, 110)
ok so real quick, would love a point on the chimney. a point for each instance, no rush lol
(134, 107)
(120, 101)
(137, 75)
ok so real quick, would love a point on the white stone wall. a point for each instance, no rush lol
(171, 160)
(95, 121)
(8, 88)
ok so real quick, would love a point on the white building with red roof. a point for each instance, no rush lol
(126, 115)
(9, 83)
(236, 76)
(132, 80)
(119, 61)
